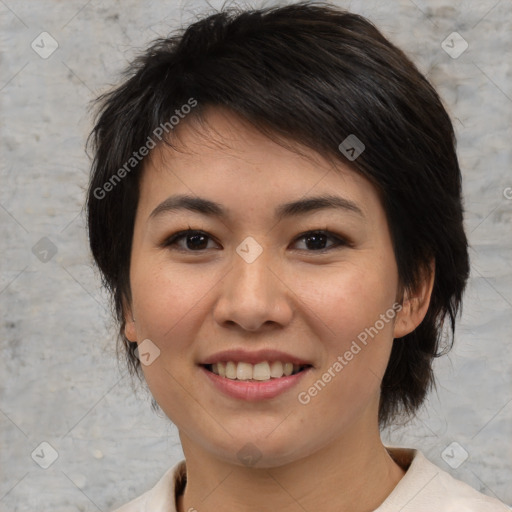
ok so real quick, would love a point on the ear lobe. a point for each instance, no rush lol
(130, 330)
(414, 306)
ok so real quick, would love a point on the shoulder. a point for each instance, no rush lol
(160, 498)
(426, 487)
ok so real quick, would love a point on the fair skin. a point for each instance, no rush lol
(326, 455)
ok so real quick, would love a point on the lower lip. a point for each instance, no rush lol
(252, 391)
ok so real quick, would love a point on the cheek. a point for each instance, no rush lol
(165, 297)
(351, 312)
(344, 303)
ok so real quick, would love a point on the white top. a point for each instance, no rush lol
(424, 488)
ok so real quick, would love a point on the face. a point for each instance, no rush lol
(268, 282)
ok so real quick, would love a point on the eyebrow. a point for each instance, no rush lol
(292, 209)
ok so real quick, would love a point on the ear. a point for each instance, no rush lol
(130, 330)
(415, 305)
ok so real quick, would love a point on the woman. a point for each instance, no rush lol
(275, 206)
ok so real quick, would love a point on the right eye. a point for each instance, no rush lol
(195, 240)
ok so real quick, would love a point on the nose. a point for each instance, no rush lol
(253, 296)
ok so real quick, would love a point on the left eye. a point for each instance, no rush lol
(196, 241)
(317, 239)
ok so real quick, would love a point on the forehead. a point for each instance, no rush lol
(229, 160)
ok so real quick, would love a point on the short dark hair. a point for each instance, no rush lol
(311, 74)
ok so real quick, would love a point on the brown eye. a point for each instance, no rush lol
(194, 240)
(315, 241)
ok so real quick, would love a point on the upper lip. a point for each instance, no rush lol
(253, 357)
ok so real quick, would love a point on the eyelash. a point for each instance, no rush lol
(339, 241)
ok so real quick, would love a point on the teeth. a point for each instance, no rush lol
(276, 369)
(244, 371)
(231, 370)
(261, 372)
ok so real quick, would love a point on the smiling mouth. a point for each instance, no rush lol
(260, 372)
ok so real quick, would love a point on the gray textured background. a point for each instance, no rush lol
(59, 379)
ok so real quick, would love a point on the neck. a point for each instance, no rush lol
(353, 474)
